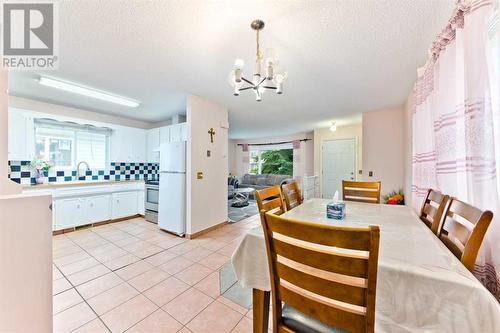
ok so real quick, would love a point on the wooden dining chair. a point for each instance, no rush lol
(463, 229)
(361, 191)
(433, 208)
(270, 200)
(325, 275)
(292, 195)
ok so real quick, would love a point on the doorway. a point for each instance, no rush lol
(338, 163)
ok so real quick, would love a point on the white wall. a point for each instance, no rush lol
(303, 163)
(6, 186)
(383, 146)
(342, 132)
(207, 197)
(64, 111)
(4, 123)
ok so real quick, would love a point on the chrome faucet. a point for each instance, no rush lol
(78, 169)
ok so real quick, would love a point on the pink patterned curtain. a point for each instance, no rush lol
(456, 122)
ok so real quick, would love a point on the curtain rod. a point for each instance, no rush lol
(271, 143)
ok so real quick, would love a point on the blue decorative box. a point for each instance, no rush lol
(335, 210)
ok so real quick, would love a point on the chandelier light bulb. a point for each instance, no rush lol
(236, 91)
(239, 63)
(333, 128)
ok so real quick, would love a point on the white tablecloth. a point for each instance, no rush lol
(421, 286)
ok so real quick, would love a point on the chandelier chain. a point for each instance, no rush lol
(258, 55)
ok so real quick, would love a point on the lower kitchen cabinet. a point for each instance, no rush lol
(91, 208)
(70, 212)
(124, 204)
(140, 203)
(99, 208)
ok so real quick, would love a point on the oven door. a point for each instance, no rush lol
(151, 197)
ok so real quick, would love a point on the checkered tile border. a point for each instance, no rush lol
(22, 173)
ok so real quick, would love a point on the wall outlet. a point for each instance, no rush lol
(209, 153)
(199, 175)
(370, 173)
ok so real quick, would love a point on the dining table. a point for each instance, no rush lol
(421, 285)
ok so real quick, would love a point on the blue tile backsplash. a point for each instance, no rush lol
(22, 173)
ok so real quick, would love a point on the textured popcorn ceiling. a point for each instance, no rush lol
(343, 57)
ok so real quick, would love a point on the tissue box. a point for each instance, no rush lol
(335, 210)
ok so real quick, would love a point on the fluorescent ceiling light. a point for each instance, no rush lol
(87, 91)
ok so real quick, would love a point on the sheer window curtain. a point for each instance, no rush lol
(456, 122)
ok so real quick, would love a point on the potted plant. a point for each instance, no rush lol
(41, 168)
(395, 198)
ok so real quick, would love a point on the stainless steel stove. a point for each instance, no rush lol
(151, 200)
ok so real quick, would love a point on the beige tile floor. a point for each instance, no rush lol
(130, 276)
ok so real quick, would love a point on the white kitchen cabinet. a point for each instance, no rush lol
(128, 145)
(98, 208)
(184, 131)
(139, 145)
(124, 204)
(164, 134)
(70, 212)
(140, 203)
(153, 145)
(176, 133)
(21, 136)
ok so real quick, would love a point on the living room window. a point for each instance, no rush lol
(271, 160)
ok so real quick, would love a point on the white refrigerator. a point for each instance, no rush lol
(172, 196)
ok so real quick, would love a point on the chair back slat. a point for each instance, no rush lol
(321, 309)
(463, 230)
(316, 280)
(433, 210)
(344, 237)
(368, 192)
(328, 261)
(326, 272)
(270, 199)
(292, 195)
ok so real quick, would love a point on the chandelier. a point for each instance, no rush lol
(272, 78)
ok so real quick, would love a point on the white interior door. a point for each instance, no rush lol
(338, 163)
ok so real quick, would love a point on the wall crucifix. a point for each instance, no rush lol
(212, 134)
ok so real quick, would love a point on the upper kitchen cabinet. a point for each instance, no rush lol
(128, 145)
(178, 132)
(164, 134)
(21, 136)
(153, 145)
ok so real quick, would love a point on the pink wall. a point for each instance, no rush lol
(383, 148)
(207, 197)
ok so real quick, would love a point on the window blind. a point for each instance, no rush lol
(91, 143)
(91, 147)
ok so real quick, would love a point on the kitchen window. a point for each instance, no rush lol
(64, 144)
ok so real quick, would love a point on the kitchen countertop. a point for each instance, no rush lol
(80, 183)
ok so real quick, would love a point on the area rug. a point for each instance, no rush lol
(237, 214)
